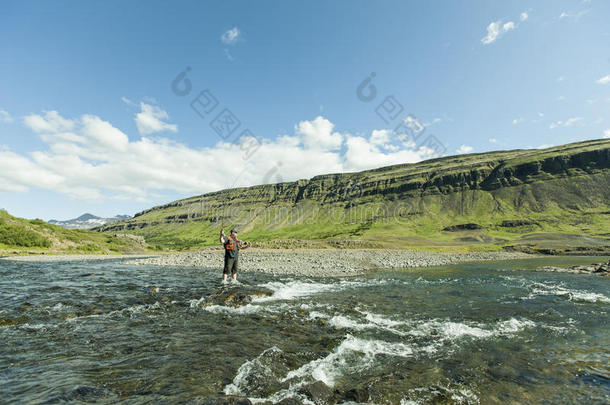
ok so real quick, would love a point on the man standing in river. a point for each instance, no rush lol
(232, 246)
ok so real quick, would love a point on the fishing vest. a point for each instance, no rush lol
(230, 245)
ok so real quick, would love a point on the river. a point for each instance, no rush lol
(494, 332)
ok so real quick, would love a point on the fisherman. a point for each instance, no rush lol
(232, 246)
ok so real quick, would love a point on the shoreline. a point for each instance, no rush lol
(296, 262)
(70, 258)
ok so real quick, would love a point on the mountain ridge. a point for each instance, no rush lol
(87, 221)
(551, 187)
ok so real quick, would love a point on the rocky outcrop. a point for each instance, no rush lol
(462, 227)
(597, 268)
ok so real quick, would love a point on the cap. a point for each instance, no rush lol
(233, 230)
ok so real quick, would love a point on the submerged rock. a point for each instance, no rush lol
(357, 395)
(236, 297)
(87, 393)
(14, 321)
(290, 401)
(318, 392)
(226, 400)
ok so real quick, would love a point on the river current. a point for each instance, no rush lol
(110, 332)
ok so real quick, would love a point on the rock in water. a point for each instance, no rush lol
(226, 400)
(318, 392)
(86, 393)
(236, 297)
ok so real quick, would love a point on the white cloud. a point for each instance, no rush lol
(493, 140)
(575, 16)
(493, 32)
(317, 134)
(5, 116)
(561, 79)
(509, 26)
(568, 123)
(128, 102)
(88, 158)
(150, 120)
(607, 133)
(51, 122)
(464, 149)
(231, 36)
(497, 29)
(517, 121)
(604, 80)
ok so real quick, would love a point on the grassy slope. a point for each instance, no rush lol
(563, 191)
(18, 236)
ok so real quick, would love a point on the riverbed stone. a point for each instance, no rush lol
(224, 400)
(236, 297)
(318, 392)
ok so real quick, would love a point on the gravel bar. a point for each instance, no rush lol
(323, 262)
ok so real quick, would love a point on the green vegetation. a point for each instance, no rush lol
(15, 235)
(18, 236)
(552, 199)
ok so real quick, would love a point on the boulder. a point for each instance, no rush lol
(236, 297)
(318, 392)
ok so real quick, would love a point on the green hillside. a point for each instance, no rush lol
(551, 199)
(19, 236)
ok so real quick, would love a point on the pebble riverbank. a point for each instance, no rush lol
(323, 262)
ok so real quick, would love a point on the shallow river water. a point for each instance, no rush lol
(472, 333)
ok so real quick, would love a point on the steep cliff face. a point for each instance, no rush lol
(555, 188)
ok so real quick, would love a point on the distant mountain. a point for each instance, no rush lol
(87, 221)
(34, 236)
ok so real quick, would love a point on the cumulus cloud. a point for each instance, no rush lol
(88, 158)
(497, 29)
(604, 80)
(318, 134)
(509, 26)
(607, 133)
(231, 36)
(517, 121)
(150, 120)
(568, 123)
(464, 149)
(493, 140)
(5, 116)
(52, 122)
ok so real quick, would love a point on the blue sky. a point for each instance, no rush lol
(89, 121)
